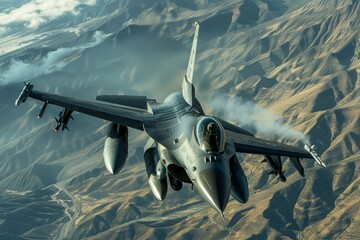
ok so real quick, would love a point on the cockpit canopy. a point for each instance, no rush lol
(210, 134)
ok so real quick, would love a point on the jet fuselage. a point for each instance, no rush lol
(177, 132)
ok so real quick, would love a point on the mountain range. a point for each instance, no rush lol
(272, 66)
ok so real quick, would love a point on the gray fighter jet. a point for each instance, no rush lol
(185, 145)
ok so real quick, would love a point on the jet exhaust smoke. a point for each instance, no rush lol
(250, 115)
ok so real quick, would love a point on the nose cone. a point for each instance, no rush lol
(214, 186)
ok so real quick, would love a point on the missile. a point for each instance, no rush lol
(311, 150)
(43, 109)
(24, 94)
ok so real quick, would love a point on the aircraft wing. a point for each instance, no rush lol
(124, 114)
(249, 144)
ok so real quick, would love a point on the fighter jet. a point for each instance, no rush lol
(185, 145)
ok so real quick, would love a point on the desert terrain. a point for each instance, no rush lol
(274, 67)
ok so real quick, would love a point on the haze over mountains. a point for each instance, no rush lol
(299, 60)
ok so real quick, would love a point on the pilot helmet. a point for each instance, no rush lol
(211, 127)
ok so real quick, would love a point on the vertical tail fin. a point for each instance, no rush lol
(188, 90)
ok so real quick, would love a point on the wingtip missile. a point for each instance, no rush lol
(24, 94)
(317, 158)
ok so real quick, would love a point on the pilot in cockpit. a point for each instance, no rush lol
(211, 136)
